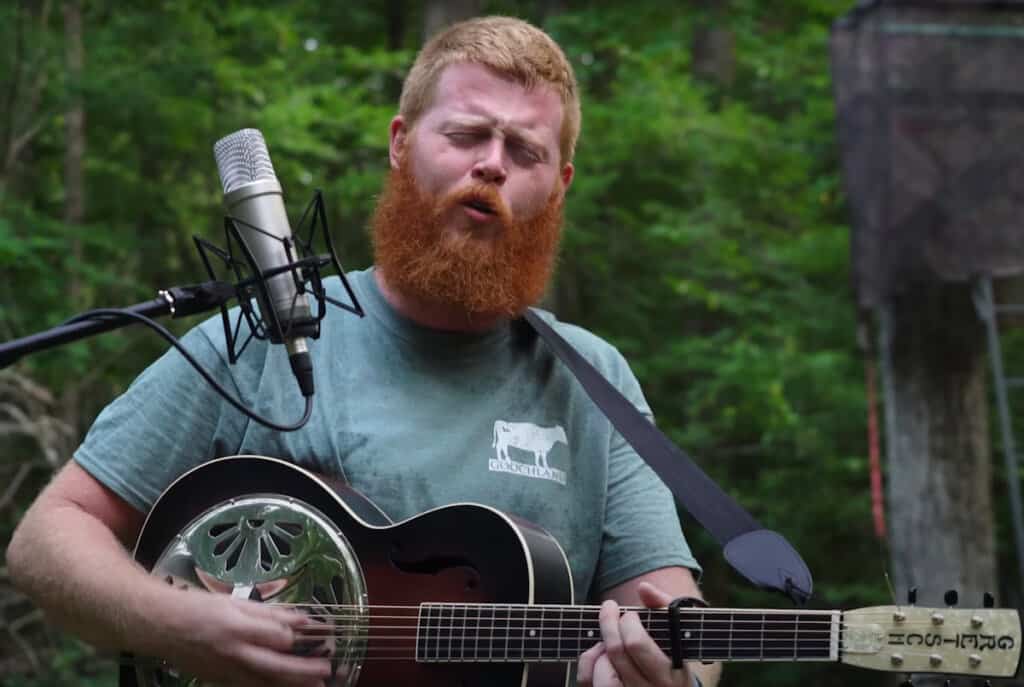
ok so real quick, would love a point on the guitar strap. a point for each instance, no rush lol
(762, 556)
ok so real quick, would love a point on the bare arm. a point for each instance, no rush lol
(68, 555)
(627, 654)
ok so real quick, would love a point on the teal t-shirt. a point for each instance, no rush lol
(414, 419)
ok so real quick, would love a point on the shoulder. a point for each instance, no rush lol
(598, 351)
(602, 355)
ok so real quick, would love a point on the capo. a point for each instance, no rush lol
(673, 626)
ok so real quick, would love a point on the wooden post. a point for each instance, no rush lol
(932, 354)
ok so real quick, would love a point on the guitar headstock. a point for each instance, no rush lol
(982, 642)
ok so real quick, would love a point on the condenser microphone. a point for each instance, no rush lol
(254, 200)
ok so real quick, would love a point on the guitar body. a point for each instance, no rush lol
(264, 528)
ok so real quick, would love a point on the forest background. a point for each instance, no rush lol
(707, 236)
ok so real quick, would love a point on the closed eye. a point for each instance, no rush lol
(524, 154)
(465, 138)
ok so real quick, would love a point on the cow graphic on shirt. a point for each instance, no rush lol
(532, 439)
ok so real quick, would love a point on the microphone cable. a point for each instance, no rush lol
(115, 313)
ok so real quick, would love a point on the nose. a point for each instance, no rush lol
(490, 166)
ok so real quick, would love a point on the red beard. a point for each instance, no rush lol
(500, 274)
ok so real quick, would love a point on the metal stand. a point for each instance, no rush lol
(178, 301)
(984, 303)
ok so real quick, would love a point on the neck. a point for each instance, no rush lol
(488, 633)
(438, 316)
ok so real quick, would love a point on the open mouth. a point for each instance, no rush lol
(480, 206)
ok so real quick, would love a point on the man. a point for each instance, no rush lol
(411, 401)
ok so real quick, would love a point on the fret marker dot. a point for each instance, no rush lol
(590, 633)
(687, 634)
(533, 633)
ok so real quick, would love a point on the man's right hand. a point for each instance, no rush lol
(234, 642)
(68, 555)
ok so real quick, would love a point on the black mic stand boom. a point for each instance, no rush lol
(177, 301)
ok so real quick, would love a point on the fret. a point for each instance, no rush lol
(544, 635)
(748, 635)
(517, 632)
(421, 632)
(575, 629)
(508, 629)
(715, 636)
(796, 635)
(433, 633)
(472, 632)
(499, 633)
(551, 633)
(689, 626)
(536, 628)
(700, 637)
(458, 632)
(593, 632)
(732, 622)
(433, 630)
(447, 629)
(580, 640)
(434, 643)
(761, 653)
(559, 627)
(486, 625)
(531, 638)
(784, 629)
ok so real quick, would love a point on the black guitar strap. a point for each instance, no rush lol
(762, 556)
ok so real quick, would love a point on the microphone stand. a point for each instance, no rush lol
(177, 301)
(181, 301)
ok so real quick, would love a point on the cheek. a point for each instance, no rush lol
(527, 200)
(438, 166)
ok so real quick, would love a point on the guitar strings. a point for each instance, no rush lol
(709, 624)
(547, 632)
(545, 613)
(410, 651)
(551, 627)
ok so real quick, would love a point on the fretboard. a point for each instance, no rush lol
(448, 633)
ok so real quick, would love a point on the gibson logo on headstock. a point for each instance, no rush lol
(961, 640)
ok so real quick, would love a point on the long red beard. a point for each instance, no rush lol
(501, 274)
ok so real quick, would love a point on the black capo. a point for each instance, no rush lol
(673, 626)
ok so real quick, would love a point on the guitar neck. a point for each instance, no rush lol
(453, 633)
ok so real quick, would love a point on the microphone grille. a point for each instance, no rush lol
(242, 158)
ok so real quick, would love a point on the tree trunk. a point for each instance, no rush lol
(396, 13)
(19, 110)
(74, 186)
(932, 349)
(714, 47)
(439, 14)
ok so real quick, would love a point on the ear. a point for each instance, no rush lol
(567, 173)
(398, 135)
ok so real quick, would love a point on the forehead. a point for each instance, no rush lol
(472, 91)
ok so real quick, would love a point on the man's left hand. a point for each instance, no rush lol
(627, 655)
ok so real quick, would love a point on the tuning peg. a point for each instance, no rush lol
(947, 683)
(951, 597)
(912, 596)
(988, 601)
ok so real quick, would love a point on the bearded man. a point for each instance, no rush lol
(413, 402)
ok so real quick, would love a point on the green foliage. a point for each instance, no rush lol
(73, 664)
(708, 240)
